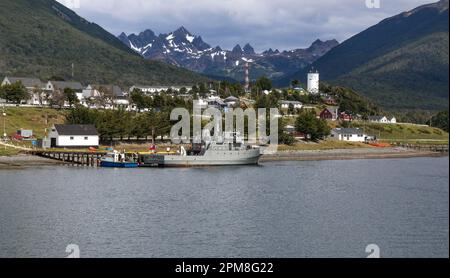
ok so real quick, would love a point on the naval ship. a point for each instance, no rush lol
(213, 153)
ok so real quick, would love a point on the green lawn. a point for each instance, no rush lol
(8, 151)
(31, 118)
(405, 133)
(322, 145)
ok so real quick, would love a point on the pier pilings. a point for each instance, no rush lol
(90, 159)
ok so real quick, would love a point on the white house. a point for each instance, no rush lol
(285, 104)
(158, 89)
(113, 96)
(73, 136)
(348, 134)
(382, 119)
(59, 86)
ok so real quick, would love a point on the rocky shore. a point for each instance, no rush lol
(344, 154)
(23, 161)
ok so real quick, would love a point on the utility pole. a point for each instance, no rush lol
(4, 124)
(73, 71)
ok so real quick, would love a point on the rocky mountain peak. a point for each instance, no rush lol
(249, 50)
(237, 49)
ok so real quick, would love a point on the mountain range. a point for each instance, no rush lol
(183, 49)
(401, 62)
(42, 38)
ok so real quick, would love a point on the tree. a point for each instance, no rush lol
(139, 99)
(70, 96)
(291, 109)
(310, 125)
(183, 90)
(105, 97)
(57, 99)
(139, 127)
(264, 83)
(195, 89)
(82, 116)
(286, 138)
(267, 101)
(15, 93)
(295, 83)
(57, 78)
(203, 90)
(123, 121)
(440, 120)
(2, 92)
(158, 124)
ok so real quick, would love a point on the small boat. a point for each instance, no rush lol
(117, 160)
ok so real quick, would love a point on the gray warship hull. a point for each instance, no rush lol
(210, 158)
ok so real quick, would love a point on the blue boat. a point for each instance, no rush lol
(117, 160)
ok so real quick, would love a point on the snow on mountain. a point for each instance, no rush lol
(186, 50)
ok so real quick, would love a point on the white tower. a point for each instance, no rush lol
(313, 82)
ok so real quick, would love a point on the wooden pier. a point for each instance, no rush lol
(70, 157)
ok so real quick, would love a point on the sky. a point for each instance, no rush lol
(276, 24)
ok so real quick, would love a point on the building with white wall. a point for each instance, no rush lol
(151, 90)
(73, 136)
(286, 104)
(382, 119)
(348, 134)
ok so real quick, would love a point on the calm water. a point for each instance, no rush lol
(282, 209)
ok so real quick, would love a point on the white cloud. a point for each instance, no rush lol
(280, 24)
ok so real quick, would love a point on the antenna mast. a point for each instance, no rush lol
(247, 77)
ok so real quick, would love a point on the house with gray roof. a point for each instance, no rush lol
(286, 104)
(73, 136)
(61, 85)
(95, 90)
(28, 82)
(112, 95)
(348, 134)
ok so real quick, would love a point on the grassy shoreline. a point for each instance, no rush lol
(8, 151)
